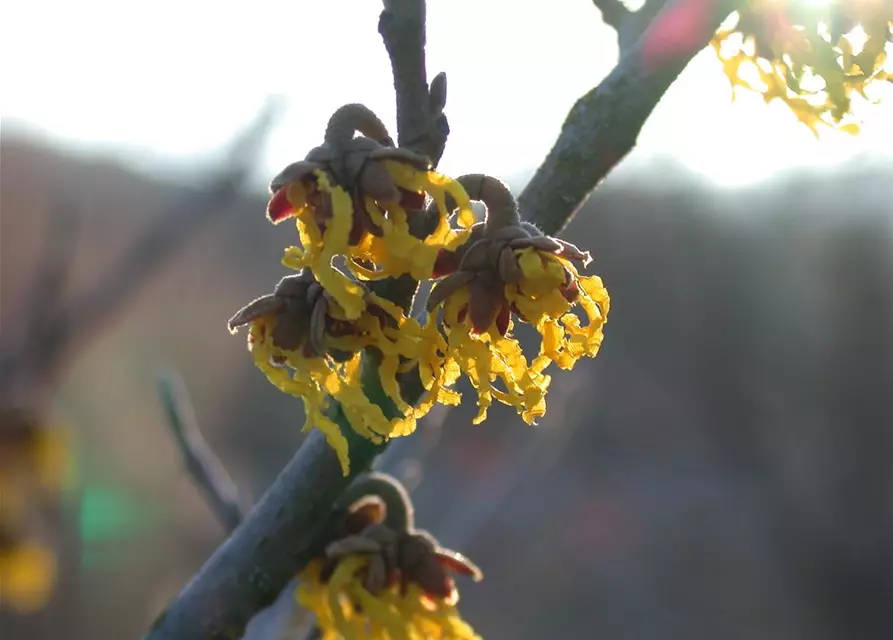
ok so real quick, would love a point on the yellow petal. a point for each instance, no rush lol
(27, 575)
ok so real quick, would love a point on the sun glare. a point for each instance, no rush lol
(188, 98)
(857, 39)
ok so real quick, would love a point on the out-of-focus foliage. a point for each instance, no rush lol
(813, 56)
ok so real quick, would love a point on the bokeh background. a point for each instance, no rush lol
(723, 469)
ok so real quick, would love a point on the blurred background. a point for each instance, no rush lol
(724, 468)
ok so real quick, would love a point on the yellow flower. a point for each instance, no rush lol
(345, 609)
(33, 453)
(353, 197)
(545, 297)
(508, 267)
(382, 578)
(811, 58)
(27, 575)
(322, 242)
(489, 358)
(35, 460)
(302, 338)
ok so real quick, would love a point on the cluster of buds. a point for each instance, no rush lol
(33, 461)
(382, 577)
(364, 211)
(811, 57)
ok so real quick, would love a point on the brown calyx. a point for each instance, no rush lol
(397, 552)
(298, 314)
(19, 435)
(354, 163)
(487, 262)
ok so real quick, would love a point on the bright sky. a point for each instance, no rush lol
(173, 80)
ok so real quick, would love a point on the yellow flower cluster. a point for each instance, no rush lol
(380, 577)
(27, 573)
(508, 268)
(353, 200)
(34, 461)
(813, 57)
(314, 354)
(392, 248)
(362, 213)
(344, 608)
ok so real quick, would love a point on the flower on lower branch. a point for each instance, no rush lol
(508, 268)
(34, 462)
(383, 579)
(353, 196)
(306, 343)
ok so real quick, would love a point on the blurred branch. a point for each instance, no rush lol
(42, 307)
(206, 470)
(287, 527)
(60, 230)
(628, 24)
(221, 493)
(614, 12)
(603, 126)
(34, 363)
(284, 531)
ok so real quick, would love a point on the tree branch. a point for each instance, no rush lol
(206, 470)
(42, 308)
(614, 12)
(603, 126)
(283, 532)
(290, 523)
(220, 492)
(629, 25)
(421, 124)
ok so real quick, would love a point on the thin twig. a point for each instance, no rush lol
(220, 492)
(614, 12)
(421, 124)
(44, 303)
(603, 126)
(286, 528)
(283, 532)
(58, 250)
(206, 470)
(629, 25)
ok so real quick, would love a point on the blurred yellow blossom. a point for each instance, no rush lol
(35, 462)
(813, 57)
(27, 576)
